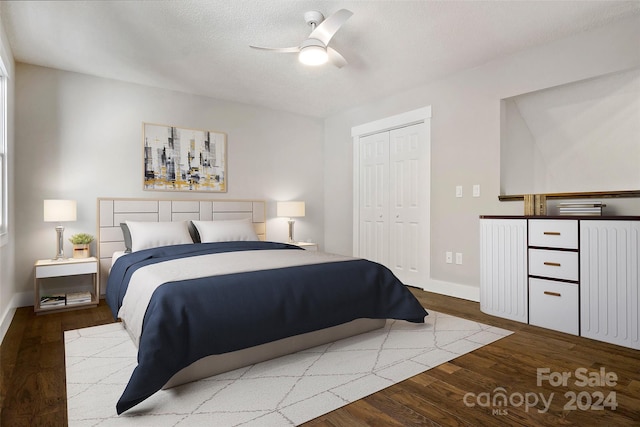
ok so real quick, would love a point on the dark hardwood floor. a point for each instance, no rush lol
(32, 378)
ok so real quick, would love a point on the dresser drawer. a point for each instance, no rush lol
(554, 305)
(550, 233)
(553, 264)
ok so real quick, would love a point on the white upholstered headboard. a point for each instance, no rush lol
(112, 212)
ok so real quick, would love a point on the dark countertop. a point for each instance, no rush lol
(580, 217)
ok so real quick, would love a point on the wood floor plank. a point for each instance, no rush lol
(451, 398)
(32, 381)
(373, 412)
(341, 418)
(411, 395)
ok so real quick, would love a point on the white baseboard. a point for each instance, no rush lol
(21, 299)
(457, 290)
(5, 322)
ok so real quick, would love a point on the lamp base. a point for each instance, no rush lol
(291, 222)
(60, 244)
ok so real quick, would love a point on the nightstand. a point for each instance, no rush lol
(65, 284)
(306, 245)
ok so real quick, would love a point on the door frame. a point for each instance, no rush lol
(413, 117)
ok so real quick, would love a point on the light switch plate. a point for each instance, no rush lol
(458, 258)
(476, 190)
(458, 190)
(448, 256)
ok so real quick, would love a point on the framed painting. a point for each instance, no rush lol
(179, 159)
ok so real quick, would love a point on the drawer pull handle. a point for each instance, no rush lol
(551, 233)
(553, 294)
(552, 264)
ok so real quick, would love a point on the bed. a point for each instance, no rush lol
(231, 298)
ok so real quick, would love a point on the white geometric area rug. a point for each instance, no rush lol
(286, 391)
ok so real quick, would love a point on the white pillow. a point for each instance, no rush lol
(225, 231)
(145, 235)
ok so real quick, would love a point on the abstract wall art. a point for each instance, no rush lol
(180, 159)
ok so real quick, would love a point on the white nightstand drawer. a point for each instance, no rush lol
(551, 233)
(553, 264)
(554, 305)
(65, 268)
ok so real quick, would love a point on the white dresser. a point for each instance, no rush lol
(581, 274)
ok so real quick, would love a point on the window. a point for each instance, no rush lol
(3, 153)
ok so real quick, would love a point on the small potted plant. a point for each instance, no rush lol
(81, 243)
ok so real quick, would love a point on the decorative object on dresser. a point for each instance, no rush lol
(81, 242)
(571, 274)
(59, 211)
(60, 284)
(181, 159)
(581, 208)
(290, 210)
(535, 204)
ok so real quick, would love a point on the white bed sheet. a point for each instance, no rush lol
(115, 256)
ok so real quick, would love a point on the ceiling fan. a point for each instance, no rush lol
(314, 50)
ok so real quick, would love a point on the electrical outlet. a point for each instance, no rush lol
(458, 258)
(448, 257)
(458, 190)
(476, 190)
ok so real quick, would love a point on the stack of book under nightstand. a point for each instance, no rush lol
(70, 298)
(53, 300)
(78, 297)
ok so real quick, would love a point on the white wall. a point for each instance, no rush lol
(465, 142)
(80, 137)
(572, 128)
(7, 242)
(518, 156)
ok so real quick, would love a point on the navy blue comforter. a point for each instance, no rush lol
(191, 319)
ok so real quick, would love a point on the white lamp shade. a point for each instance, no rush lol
(290, 209)
(59, 210)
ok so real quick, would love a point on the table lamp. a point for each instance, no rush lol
(59, 211)
(290, 210)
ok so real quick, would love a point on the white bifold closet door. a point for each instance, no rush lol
(392, 201)
(374, 197)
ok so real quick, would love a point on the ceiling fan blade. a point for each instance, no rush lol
(330, 26)
(295, 49)
(335, 58)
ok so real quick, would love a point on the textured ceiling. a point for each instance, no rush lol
(202, 46)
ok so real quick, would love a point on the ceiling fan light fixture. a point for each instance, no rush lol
(313, 52)
(315, 49)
